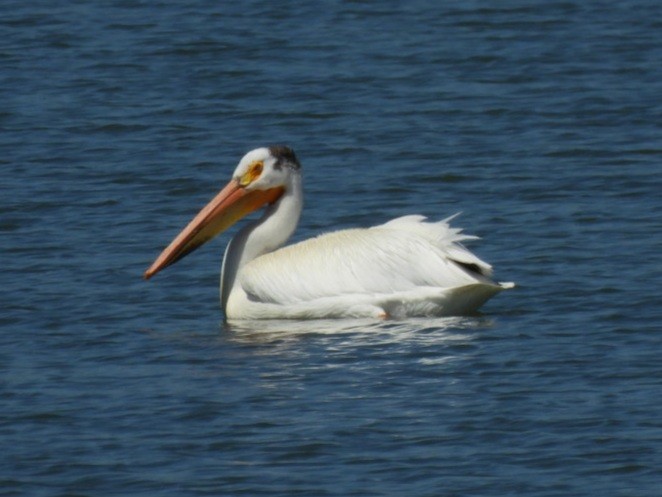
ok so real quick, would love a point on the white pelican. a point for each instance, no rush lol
(405, 267)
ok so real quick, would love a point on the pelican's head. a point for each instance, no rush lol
(267, 167)
(262, 176)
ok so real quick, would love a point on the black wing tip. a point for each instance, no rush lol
(472, 268)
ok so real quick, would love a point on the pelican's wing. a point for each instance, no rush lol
(402, 255)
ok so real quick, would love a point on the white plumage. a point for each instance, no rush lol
(405, 267)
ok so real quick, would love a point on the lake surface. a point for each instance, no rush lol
(540, 122)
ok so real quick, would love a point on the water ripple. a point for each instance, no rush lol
(539, 123)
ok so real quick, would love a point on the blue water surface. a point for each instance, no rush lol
(539, 121)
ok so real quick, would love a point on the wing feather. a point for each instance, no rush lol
(398, 256)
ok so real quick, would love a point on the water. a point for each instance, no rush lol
(541, 123)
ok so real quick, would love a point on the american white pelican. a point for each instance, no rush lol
(405, 267)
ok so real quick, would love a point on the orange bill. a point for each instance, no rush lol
(231, 204)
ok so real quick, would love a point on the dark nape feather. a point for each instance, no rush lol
(284, 155)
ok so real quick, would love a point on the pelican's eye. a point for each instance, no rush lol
(253, 173)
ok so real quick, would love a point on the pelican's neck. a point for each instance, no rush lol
(260, 237)
(271, 231)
